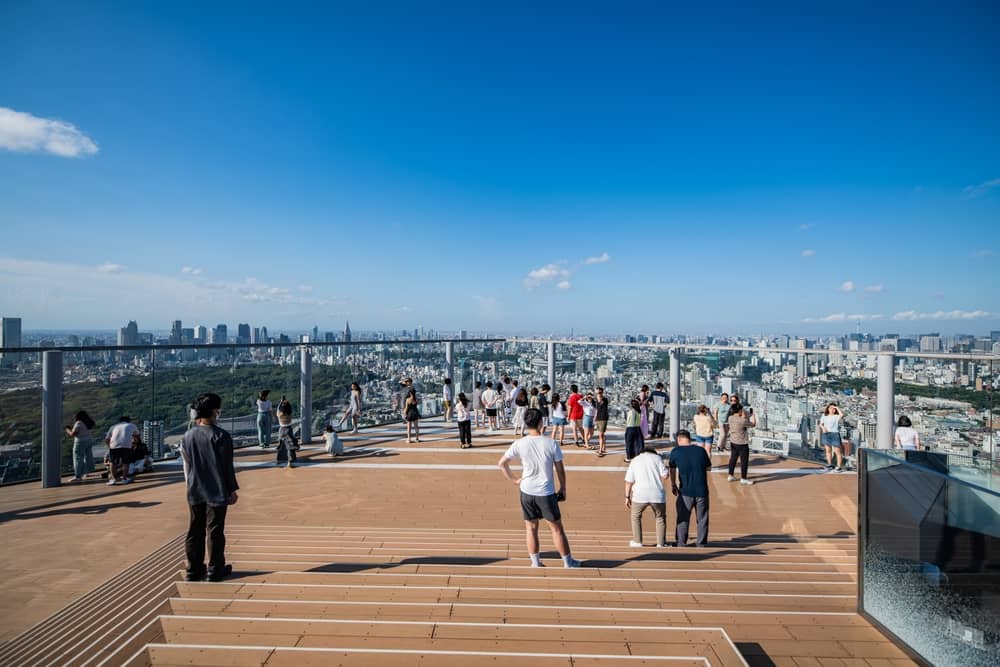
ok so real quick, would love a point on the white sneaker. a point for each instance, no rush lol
(111, 482)
(572, 564)
(730, 478)
(540, 564)
(635, 545)
(746, 482)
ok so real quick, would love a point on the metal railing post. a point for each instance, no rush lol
(305, 395)
(886, 400)
(551, 366)
(52, 407)
(449, 360)
(675, 392)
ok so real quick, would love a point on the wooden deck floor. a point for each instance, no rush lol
(414, 554)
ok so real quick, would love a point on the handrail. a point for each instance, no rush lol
(235, 346)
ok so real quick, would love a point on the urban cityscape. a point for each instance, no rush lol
(950, 401)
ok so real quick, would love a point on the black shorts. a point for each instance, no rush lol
(120, 456)
(491, 412)
(534, 508)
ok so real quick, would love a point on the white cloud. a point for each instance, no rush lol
(600, 259)
(402, 309)
(875, 289)
(910, 315)
(306, 288)
(547, 273)
(564, 284)
(806, 225)
(848, 286)
(808, 252)
(24, 133)
(190, 271)
(985, 252)
(983, 188)
(109, 267)
(844, 317)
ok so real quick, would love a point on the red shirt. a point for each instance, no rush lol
(575, 409)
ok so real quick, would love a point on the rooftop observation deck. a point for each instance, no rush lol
(400, 554)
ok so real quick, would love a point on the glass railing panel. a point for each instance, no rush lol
(930, 567)
(20, 417)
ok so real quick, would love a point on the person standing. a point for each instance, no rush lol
(539, 456)
(207, 451)
(411, 413)
(265, 414)
(691, 464)
(446, 399)
(464, 418)
(644, 488)
(601, 421)
(906, 436)
(587, 403)
(644, 410)
(739, 440)
(288, 444)
(83, 444)
(477, 404)
(353, 411)
(490, 400)
(704, 429)
(634, 441)
(520, 409)
(558, 419)
(829, 427)
(121, 438)
(543, 405)
(659, 400)
(575, 414)
(722, 419)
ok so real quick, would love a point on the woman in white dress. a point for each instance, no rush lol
(906, 437)
(353, 410)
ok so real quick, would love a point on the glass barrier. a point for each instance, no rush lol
(20, 417)
(930, 558)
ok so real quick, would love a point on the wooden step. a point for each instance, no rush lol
(164, 655)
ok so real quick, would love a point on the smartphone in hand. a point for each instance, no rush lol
(560, 496)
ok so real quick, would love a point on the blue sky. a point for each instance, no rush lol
(783, 169)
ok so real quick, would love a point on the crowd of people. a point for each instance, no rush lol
(207, 454)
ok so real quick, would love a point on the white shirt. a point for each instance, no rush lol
(490, 398)
(646, 472)
(263, 406)
(120, 435)
(461, 412)
(538, 455)
(831, 423)
(907, 436)
(558, 410)
(514, 392)
(446, 392)
(588, 408)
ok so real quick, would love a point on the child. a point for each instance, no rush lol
(334, 446)
(464, 418)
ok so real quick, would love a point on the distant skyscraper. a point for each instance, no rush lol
(10, 336)
(315, 333)
(200, 334)
(242, 333)
(930, 343)
(129, 334)
(175, 333)
(152, 436)
(995, 336)
(220, 335)
(464, 335)
(347, 332)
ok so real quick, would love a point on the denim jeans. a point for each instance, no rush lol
(287, 444)
(264, 428)
(83, 456)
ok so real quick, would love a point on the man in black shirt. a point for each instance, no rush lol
(207, 451)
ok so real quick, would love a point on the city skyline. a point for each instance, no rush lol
(771, 171)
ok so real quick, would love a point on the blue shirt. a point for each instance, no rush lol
(692, 465)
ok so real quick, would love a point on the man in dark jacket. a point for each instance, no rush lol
(207, 451)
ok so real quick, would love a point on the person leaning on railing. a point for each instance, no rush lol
(83, 444)
(906, 436)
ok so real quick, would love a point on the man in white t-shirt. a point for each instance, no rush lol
(540, 456)
(120, 439)
(644, 488)
(491, 399)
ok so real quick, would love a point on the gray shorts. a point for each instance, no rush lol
(534, 508)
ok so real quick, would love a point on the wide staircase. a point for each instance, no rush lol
(424, 596)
